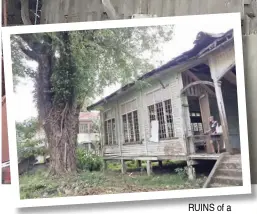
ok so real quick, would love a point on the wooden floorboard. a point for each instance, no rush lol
(204, 156)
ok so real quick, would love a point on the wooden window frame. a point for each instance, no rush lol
(110, 138)
(135, 133)
(167, 135)
(84, 128)
(198, 124)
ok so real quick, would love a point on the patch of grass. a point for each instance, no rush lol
(39, 184)
(114, 165)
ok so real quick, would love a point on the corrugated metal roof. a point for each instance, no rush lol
(204, 43)
(88, 115)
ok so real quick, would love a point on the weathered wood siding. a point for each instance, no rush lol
(174, 147)
(223, 60)
(60, 11)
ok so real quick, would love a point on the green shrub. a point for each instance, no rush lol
(88, 161)
(182, 172)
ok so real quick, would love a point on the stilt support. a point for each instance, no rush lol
(149, 167)
(123, 166)
(190, 171)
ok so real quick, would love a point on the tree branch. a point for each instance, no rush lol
(109, 9)
(30, 53)
(25, 12)
(35, 45)
(28, 38)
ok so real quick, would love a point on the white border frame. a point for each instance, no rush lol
(233, 18)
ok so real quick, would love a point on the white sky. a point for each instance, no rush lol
(182, 41)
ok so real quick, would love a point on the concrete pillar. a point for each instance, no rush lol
(123, 166)
(149, 167)
(190, 171)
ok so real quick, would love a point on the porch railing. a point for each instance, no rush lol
(195, 141)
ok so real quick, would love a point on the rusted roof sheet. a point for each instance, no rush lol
(85, 116)
(204, 43)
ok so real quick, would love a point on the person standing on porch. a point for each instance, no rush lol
(214, 135)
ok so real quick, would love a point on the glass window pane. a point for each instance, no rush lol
(160, 118)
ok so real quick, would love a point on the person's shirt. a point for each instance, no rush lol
(213, 126)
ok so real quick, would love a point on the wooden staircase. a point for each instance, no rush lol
(226, 172)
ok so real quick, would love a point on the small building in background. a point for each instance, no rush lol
(89, 130)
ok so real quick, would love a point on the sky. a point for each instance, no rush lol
(182, 40)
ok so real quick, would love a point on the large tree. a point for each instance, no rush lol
(74, 66)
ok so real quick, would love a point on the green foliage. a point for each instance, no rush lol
(40, 184)
(30, 148)
(87, 61)
(27, 129)
(36, 184)
(114, 166)
(88, 161)
(182, 172)
(78, 65)
(28, 143)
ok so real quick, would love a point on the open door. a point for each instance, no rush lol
(205, 113)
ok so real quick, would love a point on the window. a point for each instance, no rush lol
(162, 111)
(130, 122)
(109, 128)
(196, 123)
(84, 128)
(130, 127)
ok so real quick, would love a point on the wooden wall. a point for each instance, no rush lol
(173, 148)
(73, 11)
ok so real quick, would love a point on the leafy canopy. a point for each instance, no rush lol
(87, 61)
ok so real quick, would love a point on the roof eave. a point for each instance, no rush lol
(163, 68)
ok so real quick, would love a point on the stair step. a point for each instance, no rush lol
(216, 185)
(229, 172)
(230, 165)
(229, 180)
(232, 158)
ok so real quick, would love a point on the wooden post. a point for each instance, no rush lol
(205, 114)
(148, 167)
(222, 114)
(123, 166)
(190, 149)
(160, 164)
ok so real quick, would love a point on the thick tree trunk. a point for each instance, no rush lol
(61, 129)
(60, 120)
